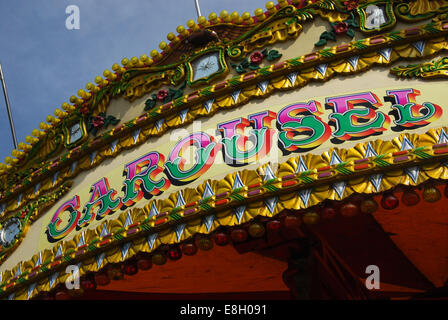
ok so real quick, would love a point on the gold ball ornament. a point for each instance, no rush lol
(155, 54)
(282, 3)
(203, 21)
(311, 218)
(38, 133)
(213, 17)
(67, 107)
(259, 13)
(60, 114)
(135, 62)
(51, 119)
(159, 259)
(43, 126)
(9, 160)
(83, 94)
(145, 59)
(271, 7)
(182, 31)
(164, 46)
(235, 17)
(24, 146)
(247, 17)
(91, 87)
(31, 140)
(125, 61)
(116, 68)
(192, 25)
(17, 154)
(369, 206)
(205, 243)
(225, 16)
(431, 194)
(256, 230)
(109, 75)
(98, 80)
(172, 37)
(75, 99)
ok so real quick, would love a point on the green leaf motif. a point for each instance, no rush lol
(273, 55)
(321, 43)
(350, 32)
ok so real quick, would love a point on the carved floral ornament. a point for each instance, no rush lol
(358, 56)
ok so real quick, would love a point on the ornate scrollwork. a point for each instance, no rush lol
(430, 70)
(145, 83)
(420, 9)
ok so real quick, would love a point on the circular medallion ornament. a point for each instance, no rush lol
(10, 231)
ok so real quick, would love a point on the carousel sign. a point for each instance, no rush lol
(300, 127)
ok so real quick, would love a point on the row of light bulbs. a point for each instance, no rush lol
(143, 61)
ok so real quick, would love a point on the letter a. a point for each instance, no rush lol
(373, 280)
(72, 21)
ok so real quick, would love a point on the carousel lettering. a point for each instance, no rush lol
(245, 140)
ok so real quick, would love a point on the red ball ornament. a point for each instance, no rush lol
(292, 222)
(88, 284)
(445, 192)
(328, 213)
(189, 249)
(130, 267)
(389, 201)
(144, 261)
(46, 296)
(410, 198)
(238, 235)
(273, 226)
(221, 238)
(349, 209)
(62, 295)
(101, 279)
(174, 253)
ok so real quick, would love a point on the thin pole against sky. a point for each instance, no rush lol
(13, 132)
(198, 9)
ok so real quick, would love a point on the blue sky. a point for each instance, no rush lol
(45, 63)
